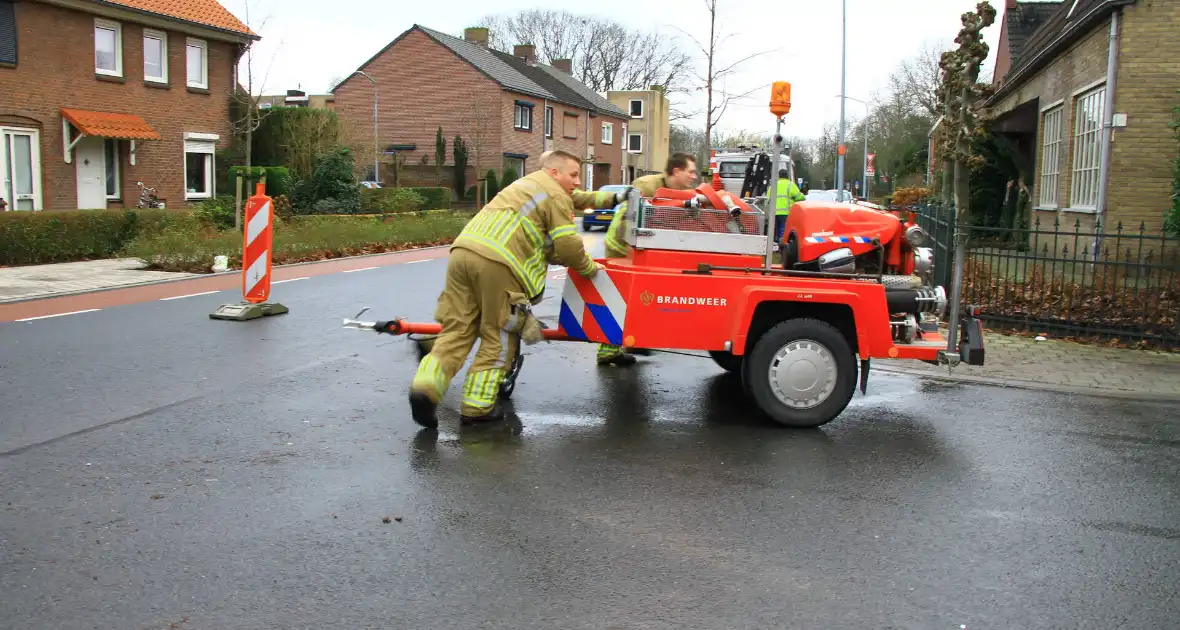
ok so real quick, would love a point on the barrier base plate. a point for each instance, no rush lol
(246, 311)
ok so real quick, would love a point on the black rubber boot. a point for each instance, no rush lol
(623, 359)
(641, 352)
(495, 415)
(422, 409)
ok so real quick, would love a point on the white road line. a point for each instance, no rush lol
(352, 270)
(414, 262)
(177, 297)
(29, 319)
(290, 280)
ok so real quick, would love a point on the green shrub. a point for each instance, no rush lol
(434, 198)
(390, 200)
(278, 179)
(187, 247)
(509, 177)
(283, 210)
(331, 179)
(217, 212)
(492, 187)
(62, 236)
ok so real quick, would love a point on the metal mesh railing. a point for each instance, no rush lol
(701, 220)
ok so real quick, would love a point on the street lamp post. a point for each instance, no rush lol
(843, 75)
(864, 173)
(376, 148)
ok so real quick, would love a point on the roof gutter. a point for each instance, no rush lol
(1112, 56)
(1066, 34)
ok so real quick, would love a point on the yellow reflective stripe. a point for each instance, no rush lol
(430, 373)
(534, 282)
(481, 388)
(562, 230)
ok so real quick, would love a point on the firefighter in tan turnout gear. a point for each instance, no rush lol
(679, 174)
(496, 272)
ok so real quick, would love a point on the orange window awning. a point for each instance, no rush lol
(110, 125)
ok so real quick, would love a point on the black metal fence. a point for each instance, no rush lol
(1067, 278)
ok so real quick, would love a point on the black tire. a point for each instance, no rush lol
(509, 383)
(819, 342)
(728, 361)
(586, 227)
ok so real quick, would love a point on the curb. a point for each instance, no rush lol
(1113, 394)
(197, 276)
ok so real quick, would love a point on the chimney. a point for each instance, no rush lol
(657, 88)
(565, 65)
(525, 52)
(476, 35)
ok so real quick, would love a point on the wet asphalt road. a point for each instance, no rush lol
(162, 470)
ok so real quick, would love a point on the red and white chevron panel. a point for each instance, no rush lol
(256, 248)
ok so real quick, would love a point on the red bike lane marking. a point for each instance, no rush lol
(99, 299)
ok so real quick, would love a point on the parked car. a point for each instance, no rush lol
(600, 217)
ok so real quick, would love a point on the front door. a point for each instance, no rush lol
(92, 173)
(20, 169)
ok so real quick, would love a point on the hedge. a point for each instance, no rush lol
(433, 197)
(278, 179)
(302, 239)
(28, 238)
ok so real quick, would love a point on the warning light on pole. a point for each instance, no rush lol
(841, 150)
(780, 98)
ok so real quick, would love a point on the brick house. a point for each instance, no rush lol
(100, 94)
(1084, 92)
(507, 108)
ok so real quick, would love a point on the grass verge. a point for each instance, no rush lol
(191, 246)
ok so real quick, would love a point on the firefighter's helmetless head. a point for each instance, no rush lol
(681, 171)
(564, 167)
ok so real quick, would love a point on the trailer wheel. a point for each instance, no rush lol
(801, 373)
(509, 382)
(727, 360)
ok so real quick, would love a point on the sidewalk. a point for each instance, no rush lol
(1059, 366)
(37, 281)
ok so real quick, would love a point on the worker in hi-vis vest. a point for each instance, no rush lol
(788, 194)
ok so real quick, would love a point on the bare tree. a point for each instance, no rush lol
(480, 123)
(717, 101)
(246, 100)
(918, 77)
(605, 55)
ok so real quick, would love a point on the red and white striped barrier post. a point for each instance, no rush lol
(257, 242)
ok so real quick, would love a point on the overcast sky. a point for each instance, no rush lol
(308, 42)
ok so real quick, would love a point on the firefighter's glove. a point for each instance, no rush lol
(621, 196)
(519, 319)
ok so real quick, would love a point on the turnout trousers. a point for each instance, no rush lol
(476, 303)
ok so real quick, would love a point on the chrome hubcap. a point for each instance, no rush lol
(803, 374)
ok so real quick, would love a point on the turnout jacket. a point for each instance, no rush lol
(526, 226)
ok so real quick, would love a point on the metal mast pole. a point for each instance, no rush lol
(772, 203)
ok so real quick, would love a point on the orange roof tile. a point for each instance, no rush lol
(108, 125)
(206, 12)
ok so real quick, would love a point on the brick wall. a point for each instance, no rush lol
(56, 70)
(531, 142)
(422, 85)
(1149, 68)
(1148, 76)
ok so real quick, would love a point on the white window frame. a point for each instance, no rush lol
(522, 118)
(548, 122)
(189, 44)
(631, 110)
(1050, 181)
(608, 133)
(162, 37)
(100, 23)
(635, 135)
(35, 159)
(200, 144)
(118, 194)
(1087, 151)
